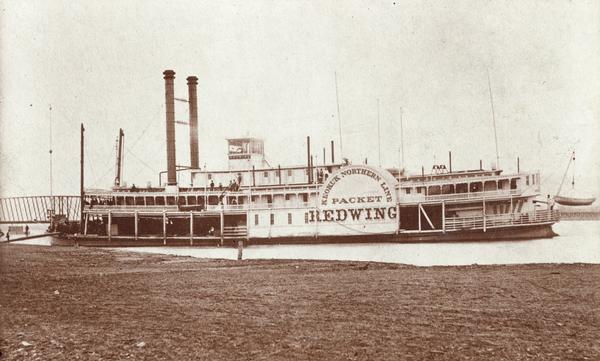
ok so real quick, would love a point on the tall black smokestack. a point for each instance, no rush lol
(169, 76)
(192, 81)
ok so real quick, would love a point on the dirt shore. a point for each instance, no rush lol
(93, 304)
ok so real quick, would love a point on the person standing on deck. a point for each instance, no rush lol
(7, 236)
(27, 230)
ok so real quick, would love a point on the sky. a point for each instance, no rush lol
(268, 69)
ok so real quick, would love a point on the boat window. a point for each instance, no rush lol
(289, 218)
(288, 197)
(462, 188)
(305, 197)
(170, 201)
(160, 201)
(407, 190)
(527, 180)
(475, 187)
(490, 186)
(434, 190)
(266, 174)
(289, 172)
(503, 184)
(139, 201)
(513, 183)
(209, 176)
(191, 200)
(269, 199)
(256, 219)
(448, 189)
(129, 201)
(213, 200)
(181, 200)
(149, 201)
(418, 189)
(120, 201)
(272, 219)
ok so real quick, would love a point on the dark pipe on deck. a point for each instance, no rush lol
(192, 82)
(332, 153)
(480, 164)
(450, 161)
(169, 76)
(518, 165)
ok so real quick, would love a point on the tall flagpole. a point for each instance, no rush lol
(378, 134)
(337, 100)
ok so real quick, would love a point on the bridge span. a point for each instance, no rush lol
(37, 209)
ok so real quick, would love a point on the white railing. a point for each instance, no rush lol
(459, 196)
(500, 220)
(235, 231)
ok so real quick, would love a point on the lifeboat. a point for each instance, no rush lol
(572, 201)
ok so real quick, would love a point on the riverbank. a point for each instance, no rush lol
(69, 303)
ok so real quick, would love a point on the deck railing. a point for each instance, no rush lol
(501, 220)
(459, 196)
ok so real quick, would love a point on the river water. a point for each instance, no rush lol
(578, 242)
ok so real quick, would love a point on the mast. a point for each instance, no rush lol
(494, 121)
(50, 152)
(337, 100)
(401, 148)
(81, 170)
(119, 165)
(378, 135)
(571, 160)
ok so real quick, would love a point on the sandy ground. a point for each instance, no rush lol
(92, 304)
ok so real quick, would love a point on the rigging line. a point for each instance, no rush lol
(493, 120)
(140, 160)
(145, 130)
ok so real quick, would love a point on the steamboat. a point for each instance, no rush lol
(335, 202)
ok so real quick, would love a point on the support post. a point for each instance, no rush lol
(109, 226)
(444, 217)
(191, 228)
(135, 226)
(512, 216)
(164, 227)
(240, 249)
(279, 173)
(484, 223)
(85, 227)
(419, 217)
(221, 225)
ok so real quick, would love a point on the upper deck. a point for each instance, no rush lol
(299, 187)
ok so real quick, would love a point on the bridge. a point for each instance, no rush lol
(37, 209)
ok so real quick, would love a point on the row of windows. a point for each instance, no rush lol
(176, 200)
(472, 187)
(272, 219)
